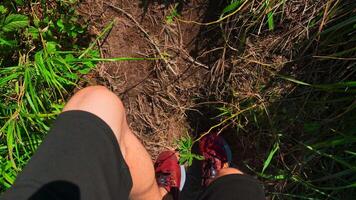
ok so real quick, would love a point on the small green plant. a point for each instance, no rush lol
(174, 13)
(186, 156)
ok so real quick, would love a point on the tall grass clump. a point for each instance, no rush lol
(310, 128)
(42, 55)
(298, 111)
(326, 146)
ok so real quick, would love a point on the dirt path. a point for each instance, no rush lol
(157, 94)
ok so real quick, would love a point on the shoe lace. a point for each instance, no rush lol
(164, 179)
(210, 167)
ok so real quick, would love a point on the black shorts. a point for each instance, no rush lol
(80, 159)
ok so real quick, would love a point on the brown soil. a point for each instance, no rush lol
(156, 93)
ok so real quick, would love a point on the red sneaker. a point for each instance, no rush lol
(217, 154)
(169, 174)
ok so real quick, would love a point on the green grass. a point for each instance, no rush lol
(38, 71)
(43, 54)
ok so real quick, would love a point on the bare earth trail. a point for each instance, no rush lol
(157, 94)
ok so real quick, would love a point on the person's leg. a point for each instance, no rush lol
(106, 105)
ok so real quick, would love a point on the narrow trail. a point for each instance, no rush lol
(157, 94)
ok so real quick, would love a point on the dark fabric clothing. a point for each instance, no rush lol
(233, 187)
(80, 159)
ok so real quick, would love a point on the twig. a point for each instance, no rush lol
(191, 59)
(224, 121)
(100, 36)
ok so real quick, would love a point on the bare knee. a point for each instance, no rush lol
(92, 98)
(101, 102)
